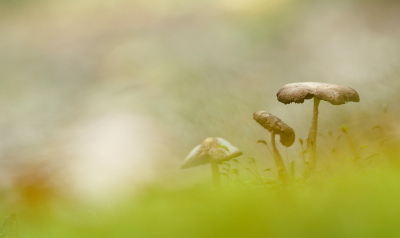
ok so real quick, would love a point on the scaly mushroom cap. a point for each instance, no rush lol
(213, 148)
(334, 93)
(273, 123)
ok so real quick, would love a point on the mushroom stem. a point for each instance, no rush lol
(312, 137)
(215, 174)
(279, 161)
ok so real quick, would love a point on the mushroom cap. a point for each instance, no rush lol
(274, 124)
(333, 93)
(212, 148)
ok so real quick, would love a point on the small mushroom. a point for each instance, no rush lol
(333, 93)
(287, 136)
(213, 150)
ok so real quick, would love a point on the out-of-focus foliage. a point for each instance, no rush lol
(347, 204)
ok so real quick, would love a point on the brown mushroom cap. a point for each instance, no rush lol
(213, 148)
(273, 123)
(333, 93)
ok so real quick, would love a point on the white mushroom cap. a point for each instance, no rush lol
(213, 148)
(333, 93)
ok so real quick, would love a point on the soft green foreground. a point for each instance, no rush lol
(362, 202)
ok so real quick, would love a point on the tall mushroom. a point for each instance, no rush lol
(213, 150)
(287, 136)
(333, 93)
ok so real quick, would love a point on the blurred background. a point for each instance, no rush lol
(98, 98)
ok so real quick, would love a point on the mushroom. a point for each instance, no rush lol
(287, 136)
(333, 93)
(213, 150)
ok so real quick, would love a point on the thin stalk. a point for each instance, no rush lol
(302, 153)
(335, 145)
(259, 175)
(248, 169)
(215, 174)
(256, 169)
(251, 164)
(237, 167)
(287, 158)
(242, 177)
(305, 172)
(333, 140)
(279, 161)
(270, 150)
(351, 144)
(312, 137)
(265, 143)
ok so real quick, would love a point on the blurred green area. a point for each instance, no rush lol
(347, 204)
(102, 100)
